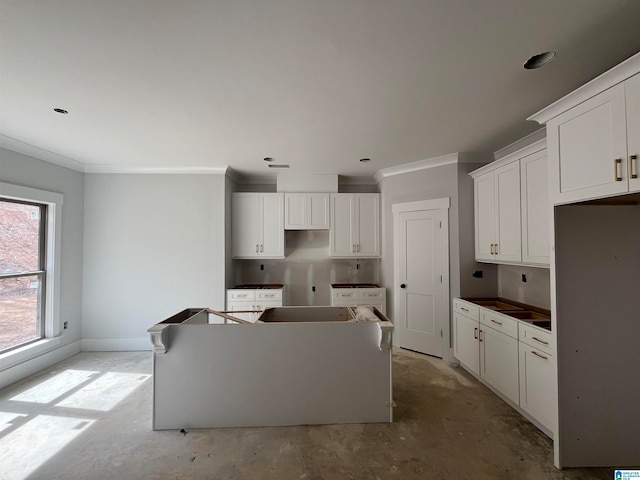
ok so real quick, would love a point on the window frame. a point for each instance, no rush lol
(51, 251)
(40, 272)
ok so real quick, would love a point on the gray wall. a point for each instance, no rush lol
(27, 171)
(535, 291)
(153, 245)
(448, 181)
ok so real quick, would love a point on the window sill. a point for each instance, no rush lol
(23, 354)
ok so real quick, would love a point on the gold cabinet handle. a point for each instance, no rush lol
(475, 333)
(462, 308)
(617, 169)
(633, 169)
(539, 356)
(538, 340)
(261, 248)
(480, 335)
(495, 321)
(496, 248)
(257, 248)
(492, 252)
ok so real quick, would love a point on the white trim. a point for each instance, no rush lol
(415, 166)
(40, 153)
(435, 204)
(518, 145)
(40, 362)
(442, 204)
(608, 79)
(169, 170)
(512, 157)
(54, 203)
(116, 344)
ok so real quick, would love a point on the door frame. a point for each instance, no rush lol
(442, 204)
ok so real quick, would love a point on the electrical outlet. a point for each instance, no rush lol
(313, 289)
(261, 266)
(65, 325)
(524, 278)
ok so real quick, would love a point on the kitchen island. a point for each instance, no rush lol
(295, 366)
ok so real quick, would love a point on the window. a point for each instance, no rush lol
(30, 249)
(22, 272)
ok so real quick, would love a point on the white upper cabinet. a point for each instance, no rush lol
(593, 137)
(512, 208)
(632, 92)
(258, 225)
(588, 149)
(355, 225)
(306, 211)
(497, 214)
(535, 208)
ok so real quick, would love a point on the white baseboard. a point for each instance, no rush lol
(116, 344)
(29, 367)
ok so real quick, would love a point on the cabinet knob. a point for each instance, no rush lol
(403, 285)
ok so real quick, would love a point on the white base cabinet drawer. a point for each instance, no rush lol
(353, 297)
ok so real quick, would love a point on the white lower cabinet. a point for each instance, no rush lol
(537, 376)
(252, 301)
(499, 362)
(353, 297)
(511, 357)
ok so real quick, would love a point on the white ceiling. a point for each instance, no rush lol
(317, 84)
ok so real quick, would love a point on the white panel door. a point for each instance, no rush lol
(368, 210)
(272, 223)
(632, 90)
(485, 216)
(341, 239)
(499, 362)
(245, 225)
(508, 237)
(535, 208)
(421, 311)
(465, 342)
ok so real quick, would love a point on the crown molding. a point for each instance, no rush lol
(133, 169)
(608, 79)
(40, 153)
(524, 142)
(448, 159)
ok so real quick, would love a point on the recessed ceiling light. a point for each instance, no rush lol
(365, 159)
(539, 60)
(278, 166)
(60, 110)
(268, 159)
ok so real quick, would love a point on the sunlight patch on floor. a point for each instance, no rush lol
(56, 386)
(25, 449)
(105, 392)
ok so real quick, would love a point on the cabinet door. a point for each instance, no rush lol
(537, 389)
(341, 238)
(587, 148)
(535, 208)
(485, 216)
(508, 237)
(245, 225)
(295, 211)
(272, 225)
(239, 306)
(465, 342)
(632, 90)
(317, 211)
(368, 225)
(499, 362)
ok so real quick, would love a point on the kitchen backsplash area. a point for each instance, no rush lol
(307, 265)
(522, 284)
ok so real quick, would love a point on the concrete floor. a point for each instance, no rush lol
(90, 418)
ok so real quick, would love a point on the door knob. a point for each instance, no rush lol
(403, 286)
